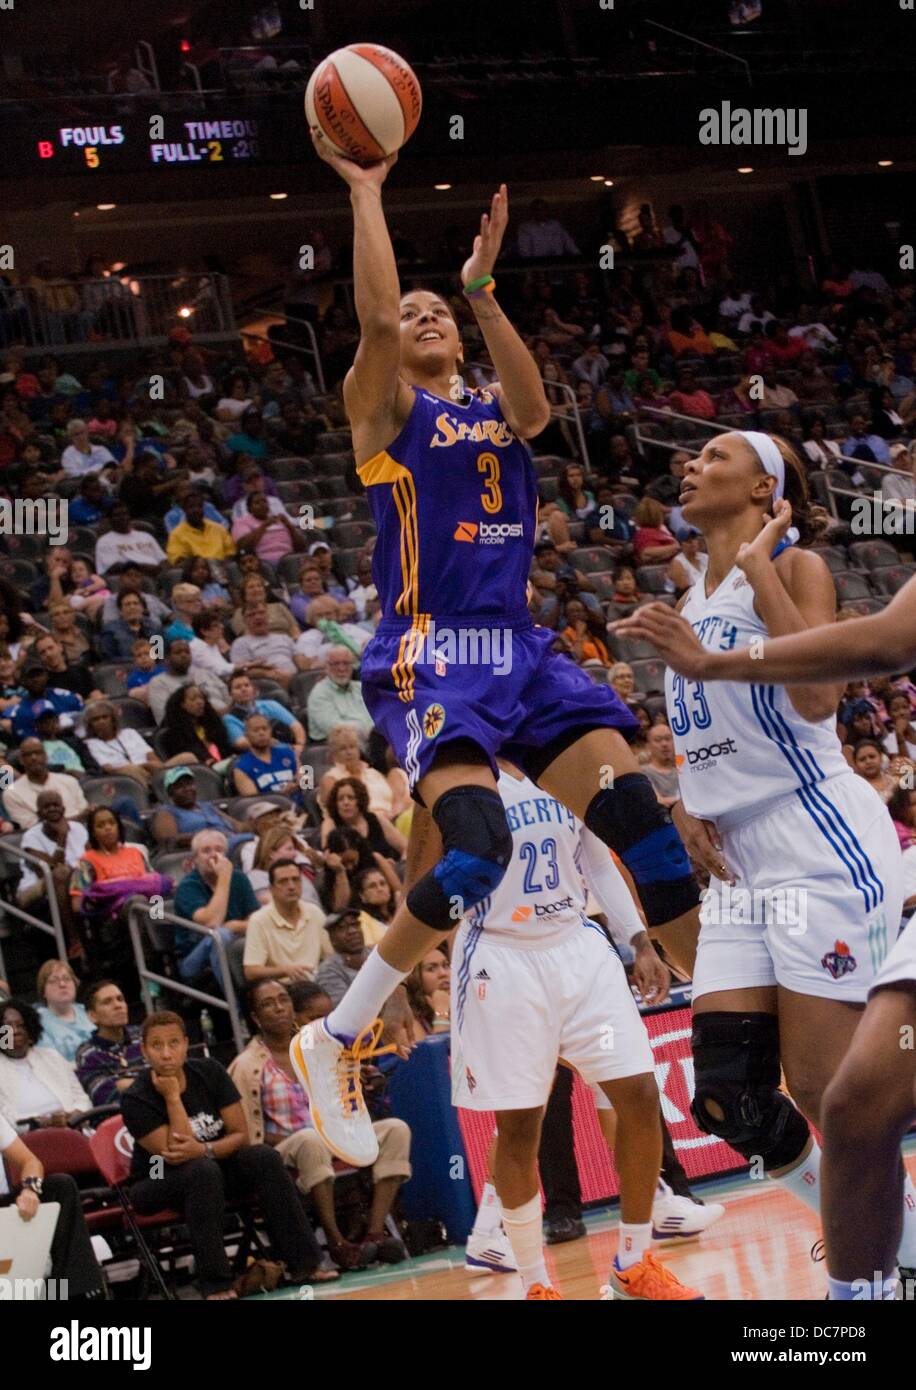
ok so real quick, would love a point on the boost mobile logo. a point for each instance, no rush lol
(488, 533)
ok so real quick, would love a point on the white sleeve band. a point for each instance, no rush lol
(609, 888)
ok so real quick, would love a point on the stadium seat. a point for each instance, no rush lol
(134, 714)
(631, 649)
(301, 685)
(21, 573)
(297, 490)
(173, 863)
(834, 557)
(593, 559)
(237, 808)
(332, 441)
(548, 489)
(649, 675)
(851, 584)
(350, 534)
(332, 487)
(102, 791)
(891, 578)
(652, 579)
(111, 678)
(873, 555)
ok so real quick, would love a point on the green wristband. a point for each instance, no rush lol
(478, 284)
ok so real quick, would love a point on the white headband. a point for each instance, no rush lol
(773, 464)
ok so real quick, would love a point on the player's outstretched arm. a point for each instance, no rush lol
(521, 392)
(880, 644)
(371, 385)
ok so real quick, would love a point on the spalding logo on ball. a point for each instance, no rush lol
(365, 100)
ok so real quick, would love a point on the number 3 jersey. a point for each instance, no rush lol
(454, 500)
(739, 746)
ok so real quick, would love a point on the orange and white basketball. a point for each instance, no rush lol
(365, 100)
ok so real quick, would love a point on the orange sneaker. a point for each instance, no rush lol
(649, 1281)
(543, 1293)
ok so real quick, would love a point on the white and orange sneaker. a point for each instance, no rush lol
(649, 1281)
(543, 1293)
(329, 1073)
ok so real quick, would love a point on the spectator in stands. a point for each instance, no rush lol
(689, 566)
(626, 595)
(591, 366)
(691, 399)
(679, 235)
(653, 543)
(277, 842)
(337, 972)
(66, 752)
(220, 898)
(249, 438)
(21, 799)
(285, 939)
(176, 514)
(541, 236)
(124, 543)
(667, 488)
(180, 671)
(389, 793)
(65, 1024)
(189, 1112)
(121, 752)
(898, 489)
(192, 727)
(125, 79)
(555, 578)
(244, 702)
(108, 861)
(110, 1060)
(82, 456)
(133, 579)
(261, 817)
(686, 335)
(267, 766)
(187, 604)
(377, 901)
(39, 694)
(886, 419)
(209, 578)
(36, 1083)
(175, 824)
(237, 397)
(337, 699)
(821, 451)
(209, 647)
(901, 740)
(348, 807)
(254, 590)
(334, 582)
(276, 1109)
(266, 655)
(622, 680)
(346, 856)
(248, 481)
(270, 534)
(91, 504)
(661, 769)
(861, 443)
(428, 993)
(117, 639)
(60, 843)
(91, 590)
(144, 668)
(868, 762)
(325, 630)
(584, 635)
(776, 393)
(197, 535)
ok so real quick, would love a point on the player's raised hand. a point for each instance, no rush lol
(760, 550)
(368, 175)
(650, 973)
(670, 634)
(488, 241)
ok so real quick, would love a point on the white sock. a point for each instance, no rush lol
(805, 1180)
(364, 1000)
(632, 1243)
(523, 1229)
(489, 1213)
(906, 1255)
(862, 1290)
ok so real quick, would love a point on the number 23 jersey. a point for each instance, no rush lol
(739, 745)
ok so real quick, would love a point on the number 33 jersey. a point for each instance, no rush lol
(740, 746)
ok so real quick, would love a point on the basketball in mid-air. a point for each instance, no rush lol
(365, 100)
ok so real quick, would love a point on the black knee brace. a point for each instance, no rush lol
(736, 1062)
(478, 846)
(628, 817)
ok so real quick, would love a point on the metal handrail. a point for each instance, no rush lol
(575, 416)
(55, 927)
(229, 1004)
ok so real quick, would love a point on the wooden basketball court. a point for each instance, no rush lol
(760, 1249)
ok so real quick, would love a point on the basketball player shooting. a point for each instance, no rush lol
(453, 493)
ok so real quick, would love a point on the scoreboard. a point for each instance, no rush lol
(62, 145)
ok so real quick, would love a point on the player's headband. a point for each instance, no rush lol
(773, 464)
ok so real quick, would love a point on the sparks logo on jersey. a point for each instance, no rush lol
(433, 719)
(838, 961)
(488, 533)
(450, 431)
(441, 668)
(521, 914)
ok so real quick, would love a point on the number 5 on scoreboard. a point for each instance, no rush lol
(92, 156)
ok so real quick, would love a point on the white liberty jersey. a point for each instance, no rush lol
(544, 890)
(739, 746)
